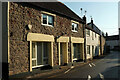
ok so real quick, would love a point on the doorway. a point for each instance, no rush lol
(63, 52)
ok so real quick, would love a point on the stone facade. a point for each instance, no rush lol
(20, 15)
(102, 45)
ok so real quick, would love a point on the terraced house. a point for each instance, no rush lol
(41, 34)
(94, 41)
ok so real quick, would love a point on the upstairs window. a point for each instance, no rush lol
(95, 35)
(92, 35)
(74, 27)
(88, 32)
(47, 20)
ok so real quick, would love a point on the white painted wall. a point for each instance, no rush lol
(92, 42)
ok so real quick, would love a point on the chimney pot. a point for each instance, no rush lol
(84, 18)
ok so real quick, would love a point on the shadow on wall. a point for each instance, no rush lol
(104, 50)
(107, 50)
(97, 51)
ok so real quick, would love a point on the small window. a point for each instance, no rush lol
(74, 27)
(92, 35)
(44, 19)
(88, 49)
(50, 20)
(47, 20)
(88, 32)
(95, 35)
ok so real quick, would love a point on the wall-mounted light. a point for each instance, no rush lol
(29, 26)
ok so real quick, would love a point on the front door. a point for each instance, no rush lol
(62, 53)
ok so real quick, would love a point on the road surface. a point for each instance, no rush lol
(101, 69)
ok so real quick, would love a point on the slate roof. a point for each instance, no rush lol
(95, 28)
(114, 37)
(59, 8)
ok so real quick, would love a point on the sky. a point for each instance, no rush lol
(104, 14)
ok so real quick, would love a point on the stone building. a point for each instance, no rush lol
(94, 41)
(112, 42)
(41, 34)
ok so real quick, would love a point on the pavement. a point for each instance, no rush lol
(102, 68)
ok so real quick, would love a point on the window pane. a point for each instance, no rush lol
(44, 19)
(74, 50)
(33, 62)
(72, 26)
(88, 32)
(50, 20)
(76, 27)
(45, 49)
(39, 53)
(33, 50)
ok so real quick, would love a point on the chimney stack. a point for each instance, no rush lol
(84, 18)
(92, 22)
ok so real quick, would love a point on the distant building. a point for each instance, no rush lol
(112, 42)
(94, 41)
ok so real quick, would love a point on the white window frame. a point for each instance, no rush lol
(74, 22)
(47, 20)
(36, 56)
(35, 52)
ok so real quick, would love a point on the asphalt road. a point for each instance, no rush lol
(107, 68)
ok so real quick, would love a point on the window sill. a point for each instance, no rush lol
(75, 59)
(47, 25)
(39, 66)
(87, 36)
(74, 31)
(88, 54)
